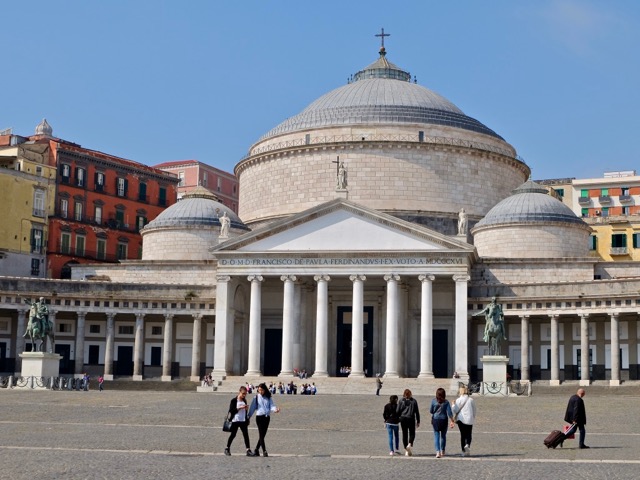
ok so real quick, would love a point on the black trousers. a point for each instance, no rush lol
(245, 433)
(262, 421)
(465, 434)
(408, 426)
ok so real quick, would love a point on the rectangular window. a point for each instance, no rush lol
(125, 330)
(38, 203)
(98, 214)
(585, 212)
(625, 210)
(121, 187)
(156, 330)
(94, 354)
(80, 243)
(78, 211)
(142, 192)
(219, 183)
(94, 328)
(584, 193)
(636, 240)
(156, 356)
(64, 207)
(162, 197)
(120, 217)
(36, 240)
(35, 267)
(99, 181)
(605, 211)
(65, 172)
(80, 177)
(181, 177)
(593, 242)
(604, 192)
(140, 222)
(122, 251)
(204, 179)
(65, 243)
(64, 328)
(625, 190)
(101, 249)
(619, 240)
(560, 192)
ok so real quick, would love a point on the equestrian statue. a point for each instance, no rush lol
(39, 326)
(494, 330)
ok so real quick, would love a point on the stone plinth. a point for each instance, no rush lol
(494, 375)
(40, 364)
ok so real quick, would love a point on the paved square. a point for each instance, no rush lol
(123, 434)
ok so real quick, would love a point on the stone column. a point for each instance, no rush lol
(461, 343)
(255, 325)
(524, 347)
(615, 350)
(195, 347)
(138, 347)
(167, 348)
(584, 350)
(221, 349)
(357, 326)
(426, 326)
(555, 352)
(296, 326)
(79, 354)
(287, 325)
(391, 354)
(322, 326)
(109, 349)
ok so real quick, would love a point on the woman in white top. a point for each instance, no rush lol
(464, 409)
(239, 420)
(263, 407)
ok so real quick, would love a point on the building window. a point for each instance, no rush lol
(35, 267)
(140, 222)
(125, 330)
(94, 328)
(584, 193)
(121, 186)
(585, 212)
(65, 243)
(36, 240)
(80, 177)
(38, 203)
(64, 328)
(101, 249)
(604, 192)
(204, 179)
(234, 189)
(219, 183)
(64, 207)
(156, 330)
(181, 177)
(625, 190)
(120, 218)
(78, 211)
(65, 172)
(605, 211)
(625, 210)
(122, 251)
(560, 192)
(636, 240)
(98, 214)
(162, 197)
(99, 181)
(80, 244)
(619, 240)
(142, 192)
(593, 242)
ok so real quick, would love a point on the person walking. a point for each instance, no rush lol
(263, 407)
(409, 420)
(239, 420)
(378, 384)
(576, 414)
(440, 415)
(464, 414)
(391, 421)
(100, 383)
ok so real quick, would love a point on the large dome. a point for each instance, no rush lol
(381, 93)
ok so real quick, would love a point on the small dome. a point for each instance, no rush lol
(44, 128)
(200, 207)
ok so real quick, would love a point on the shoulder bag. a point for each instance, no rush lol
(226, 426)
(455, 415)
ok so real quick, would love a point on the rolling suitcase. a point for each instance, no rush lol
(555, 438)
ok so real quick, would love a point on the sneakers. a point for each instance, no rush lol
(250, 453)
(391, 453)
(227, 452)
(264, 453)
(398, 452)
(467, 450)
(584, 446)
(256, 453)
(438, 455)
(409, 450)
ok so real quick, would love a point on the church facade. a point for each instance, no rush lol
(371, 227)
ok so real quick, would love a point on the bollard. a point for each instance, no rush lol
(10, 381)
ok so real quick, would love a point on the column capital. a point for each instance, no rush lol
(584, 316)
(426, 277)
(461, 278)
(140, 316)
(223, 278)
(525, 317)
(355, 278)
(81, 315)
(169, 316)
(392, 276)
(291, 278)
(322, 278)
(553, 316)
(255, 278)
(197, 316)
(614, 315)
(111, 315)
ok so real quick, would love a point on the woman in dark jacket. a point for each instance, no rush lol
(239, 420)
(409, 420)
(391, 421)
(441, 413)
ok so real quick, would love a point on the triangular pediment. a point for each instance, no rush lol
(341, 225)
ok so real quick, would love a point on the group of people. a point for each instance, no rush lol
(240, 413)
(405, 415)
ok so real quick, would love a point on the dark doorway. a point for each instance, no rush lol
(440, 353)
(94, 354)
(3, 357)
(156, 356)
(344, 340)
(124, 365)
(66, 367)
(272, 352)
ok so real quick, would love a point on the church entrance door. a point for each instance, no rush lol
(272, 352)
(344, 340)
(440, 353)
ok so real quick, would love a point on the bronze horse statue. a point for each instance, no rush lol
(40, 327)
(494, 331)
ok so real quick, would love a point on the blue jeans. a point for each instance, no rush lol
(440, 434)
(392, 431)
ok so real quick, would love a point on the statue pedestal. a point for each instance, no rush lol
(40, 364)
(494, 375)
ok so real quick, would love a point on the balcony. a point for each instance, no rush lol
(83, 253)
(604, 199)
(37, 212)
(619, 251)
(584, 201)
(625, 198)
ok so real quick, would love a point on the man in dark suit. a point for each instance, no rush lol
(576, 414)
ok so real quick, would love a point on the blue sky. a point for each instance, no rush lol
(155, 81)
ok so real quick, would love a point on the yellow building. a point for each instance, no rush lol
(27, 195)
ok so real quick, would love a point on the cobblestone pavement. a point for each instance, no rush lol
(127, 435)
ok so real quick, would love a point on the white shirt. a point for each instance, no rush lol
(241, 416)
(467, 414)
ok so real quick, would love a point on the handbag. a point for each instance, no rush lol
(226, 426)
(455, 415)
(571, 429)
